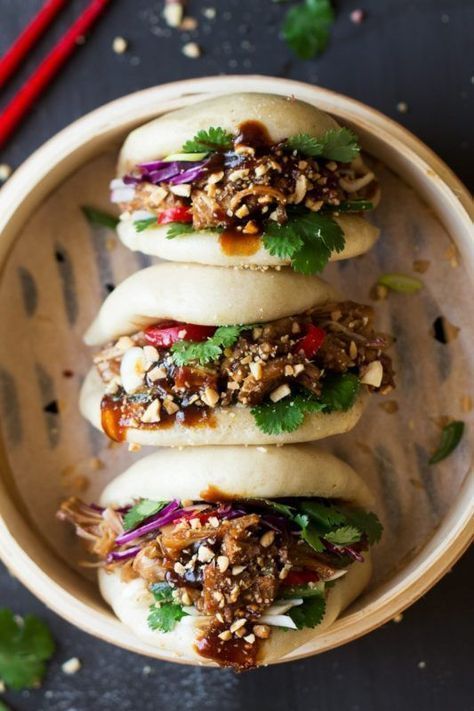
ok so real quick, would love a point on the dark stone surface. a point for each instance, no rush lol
(413, 52)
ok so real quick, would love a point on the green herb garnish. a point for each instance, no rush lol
(25, 647)
(339, 393)
(401, 283)
(307, 239)
(141, 511)
(310, 613)
(339, 144)
(307, 26)
(344, 536)
(211, 349)
(145, 224)
(98, 217)
(175, 229)
(450, 438)
(214, 139)
(165, 614)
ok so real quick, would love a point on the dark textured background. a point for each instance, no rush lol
(415, 52)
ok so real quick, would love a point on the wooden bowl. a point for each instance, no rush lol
(56, 270)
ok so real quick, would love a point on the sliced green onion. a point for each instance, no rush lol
(450, 439)
(191, 157)
(401, 283)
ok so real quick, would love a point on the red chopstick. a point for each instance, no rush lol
(28, 38)
(12, 115)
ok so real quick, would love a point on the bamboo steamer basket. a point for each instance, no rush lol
(52, 278)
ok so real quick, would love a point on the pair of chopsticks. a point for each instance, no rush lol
(14, 112)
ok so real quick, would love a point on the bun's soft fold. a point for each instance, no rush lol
(234, 472)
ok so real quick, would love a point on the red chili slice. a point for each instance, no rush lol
(165, 336)
(311, 342)
(300, 577)
(174, 214)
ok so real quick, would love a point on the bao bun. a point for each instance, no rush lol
(282, 117)
(210, 296)
(237, 472)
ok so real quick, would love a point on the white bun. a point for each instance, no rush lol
(242, 472)
(205, 247)
(281, 116)
(238, 472)
(210, 296)
(231, 425)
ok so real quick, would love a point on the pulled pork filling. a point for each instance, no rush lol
(240, 189)
(233, 569)
(176, 372)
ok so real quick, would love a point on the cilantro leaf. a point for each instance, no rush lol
(210, 349)
(164, 617)
(308, 238)
(309, 532)
(344, 536)
(98, 217)
(310, 613)
(283, 509)
(214, 139)
(142, 225)
(138, 513)
(365, 521)
(24, 648)
(340, 391)
(326, 516)
(306, 27)
(175, 229)
(340, 144)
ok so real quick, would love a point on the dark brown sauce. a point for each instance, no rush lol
(236, 653)
(235, 244)
(117, 418)
(253, 134)
(215, 495)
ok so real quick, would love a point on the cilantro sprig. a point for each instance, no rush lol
(99, 217)
(175, 229)
(144, 224)
(339, 144)
(165, 613)
(307, 239)
(214, 139)
(307, 27)
(310, 613)
(25, 647)
(184, 352)
(141, 511)
(339, 393)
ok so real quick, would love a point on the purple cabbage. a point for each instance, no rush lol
(174, 172)
(162, 518)
(344, 550)
(116, 556)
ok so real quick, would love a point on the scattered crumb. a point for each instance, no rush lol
(173, 13)
(5, 172)
(80, 484)
(417, 484)
(364, 447)
(398, 618)
(402, 107)
(110, 244)
(451, 255)
(133, 447)
(357, 16)
(391, 406)
(209, 12)
(378, 292)
(188, 24)
(411, 425)
(421, 665)
(71, 666)
(421, 265)
(120, 45)
(466, 403)
(442, 421)
(191, 50)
